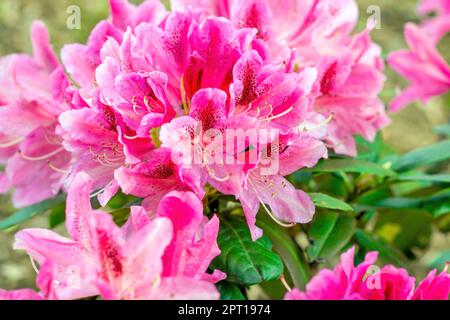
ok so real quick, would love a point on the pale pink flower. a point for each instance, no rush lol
(100, 142)
(158, 175)
(242, 177)
(103, 259)
(435, 27)
(82, 71)
(194, 242)
(423, 66)
(312, 27)
(317, 34)
(124, 14)
(30, 103)
(348, 89)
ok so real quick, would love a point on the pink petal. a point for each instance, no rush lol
(43, 52)
(79, 211)
(194, 245)
(21, 294)
(433, 287)
(208, 107)
(183, 288)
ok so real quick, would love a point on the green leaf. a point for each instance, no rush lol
(286, 247)
(374, 196)
(352, 166)
(387, 253)
(57, 215)
(335, 184)
(445, 178)
(443, 130)
(325, 201)
(229, 291)
(423, 156)
(437, 204)
(120, 216)
(369, 151)
(404, 228)
(245, 261)
(440, 261)
(329, 233)
(31, 211)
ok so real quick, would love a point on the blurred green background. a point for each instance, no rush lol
(410, 128)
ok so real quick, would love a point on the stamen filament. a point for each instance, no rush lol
(33, 264)
(11, 143)
(320, 125)
(285, 284)
(271, 215)
(130, 137)
(54, 168)
(212, 173)
(40, 158)
(93, 195)
(285, 112)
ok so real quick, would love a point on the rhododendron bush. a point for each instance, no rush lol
(225, 149)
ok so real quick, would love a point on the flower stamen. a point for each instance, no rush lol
(40, 158)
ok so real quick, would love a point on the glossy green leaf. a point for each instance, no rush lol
(329, 233)
(31, 211)
(387, 253)
(289, 251)
(325, 201)
(229, 291)
(423, 156)
(245, 261)
(352, 166)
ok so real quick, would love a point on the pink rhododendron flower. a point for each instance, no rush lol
(82, 71)
(194, 243)
(348, 94)
(241, 177)
(320, 34)
(100, 143)
(103, 259)
(312, 27)
(349, 282)
(423, 66)
(157, 176)
(436, 27)
(29, 107)
(124, 14)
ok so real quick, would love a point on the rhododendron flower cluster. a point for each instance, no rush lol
(212, 97)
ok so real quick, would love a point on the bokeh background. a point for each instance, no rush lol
(410, 128)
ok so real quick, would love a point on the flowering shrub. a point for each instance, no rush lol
(219, 145)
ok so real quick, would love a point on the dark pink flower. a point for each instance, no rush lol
(368, 282)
